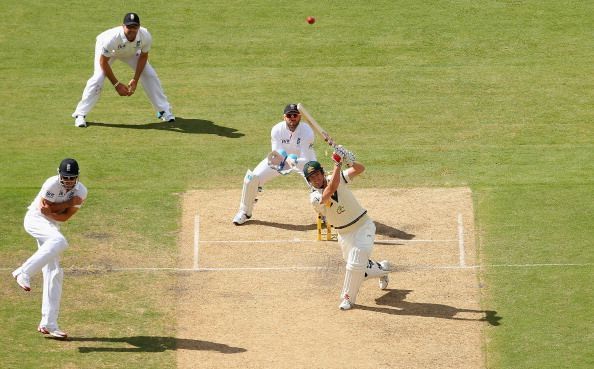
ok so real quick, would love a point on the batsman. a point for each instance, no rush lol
(332, 197)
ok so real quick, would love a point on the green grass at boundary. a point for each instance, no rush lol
(492, 95)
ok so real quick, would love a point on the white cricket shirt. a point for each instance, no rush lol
(53, 191)
(114, 43)
(300, 142)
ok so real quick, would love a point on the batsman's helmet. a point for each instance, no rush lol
(311, 167)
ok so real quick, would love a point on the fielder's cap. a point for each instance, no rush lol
(291, 108)
(311, 167)
(131, 19)
(68, 168)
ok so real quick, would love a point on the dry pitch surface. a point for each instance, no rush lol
(266, 294)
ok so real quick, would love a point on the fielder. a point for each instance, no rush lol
(58, 200)
(129, 43)
(332, 198)
(295, 141)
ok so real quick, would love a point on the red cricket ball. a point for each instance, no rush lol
(311, 20)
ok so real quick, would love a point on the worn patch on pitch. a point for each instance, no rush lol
(266, 294)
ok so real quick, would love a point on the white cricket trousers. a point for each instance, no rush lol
(356, 247)
(148, 79)
(51, 243)
(264, 174)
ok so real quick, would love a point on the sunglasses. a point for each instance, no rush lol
(132, 26)
(69, 178)
(291, 115)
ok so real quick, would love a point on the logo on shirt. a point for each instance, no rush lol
(121, 46)
(138, 43)
(298, 140)
(49, 195)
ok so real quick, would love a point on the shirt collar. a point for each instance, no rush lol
(123, 36)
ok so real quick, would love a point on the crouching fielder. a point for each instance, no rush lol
(332, 198)
(59, 199)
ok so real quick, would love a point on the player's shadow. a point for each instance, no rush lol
(181, 125)
(381, 229)
(389, 231)
(154, 344)
(396, 300)
(288, 227)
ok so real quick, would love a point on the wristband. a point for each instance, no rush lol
(115, 85)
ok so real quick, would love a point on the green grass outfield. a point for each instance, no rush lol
(494, 95)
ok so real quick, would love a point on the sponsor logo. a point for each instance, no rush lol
(340, 209)
(121, 46)
(49, 195)
(298, 140)
(285, 141)
(138, 43)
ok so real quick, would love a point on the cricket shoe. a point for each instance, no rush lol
(80, 121)
(22, 279)
(385, 279)
(346, 304)
(240, 218)
(54, 332)
(166, 116)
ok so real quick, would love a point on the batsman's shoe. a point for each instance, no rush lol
(240, 218)
(54, 332)
(80, 121)
(166, 116)
(345, 305)
(385, 279)
(22, 279)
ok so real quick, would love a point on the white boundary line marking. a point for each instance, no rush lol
(461, 241)
(196, 239)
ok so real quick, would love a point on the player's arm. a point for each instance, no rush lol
(332, 184)
(60, 211)
(64, 215)
(121, 89)
(356, 169)
(142, 60)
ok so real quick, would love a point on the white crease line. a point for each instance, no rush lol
(297, 240)
(196, 239)
(461, 250)
(397, 268)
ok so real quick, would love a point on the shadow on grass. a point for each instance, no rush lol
(154, 344)
(182, 125)
(399, 306)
